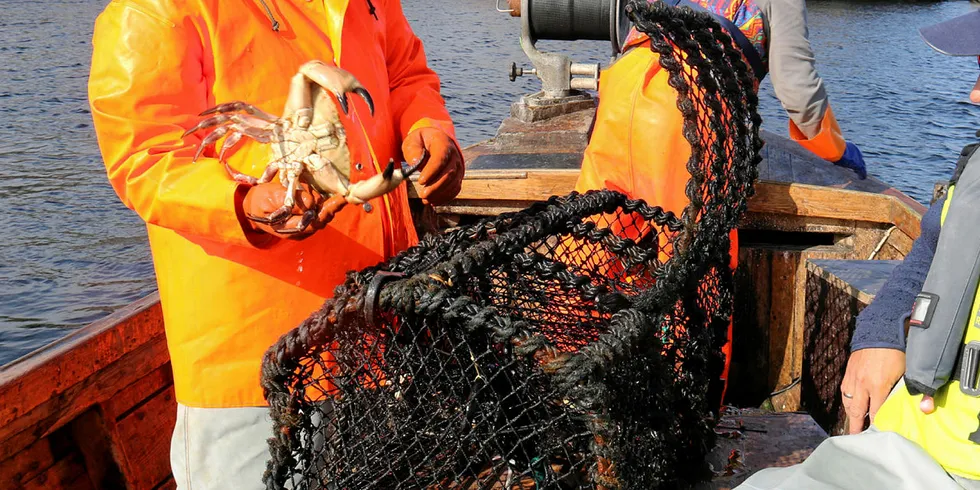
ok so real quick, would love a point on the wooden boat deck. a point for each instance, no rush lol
(96, 408)
(861, 279)
(752, 439)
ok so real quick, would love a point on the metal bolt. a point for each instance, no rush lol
(368, 207)
(519, 72)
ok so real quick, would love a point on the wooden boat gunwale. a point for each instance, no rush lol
(478, 192)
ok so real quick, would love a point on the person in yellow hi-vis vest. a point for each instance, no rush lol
(925, 434)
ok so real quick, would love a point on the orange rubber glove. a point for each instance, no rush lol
(442, 174)
(264, 199)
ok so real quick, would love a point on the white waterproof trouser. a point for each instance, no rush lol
(870, 460)
(220, 448)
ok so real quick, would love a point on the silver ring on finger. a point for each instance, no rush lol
(847, 395)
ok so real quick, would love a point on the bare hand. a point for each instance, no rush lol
(927, 405)
(869, 377)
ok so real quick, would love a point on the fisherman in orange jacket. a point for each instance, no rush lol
(637, 145)
(229, 287)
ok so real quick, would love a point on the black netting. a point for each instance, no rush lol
(566, 346)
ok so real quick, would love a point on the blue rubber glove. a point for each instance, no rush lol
(853, 159)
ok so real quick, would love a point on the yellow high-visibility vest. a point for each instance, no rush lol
(944, 434)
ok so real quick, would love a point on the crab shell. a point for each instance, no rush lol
(322, 145)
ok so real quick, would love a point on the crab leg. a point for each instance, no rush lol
(240, 106)
(282, 214)
(243, 121)
(228, 144)
(299, 103)
(208, 141)
(379, 184)
(308, 216)
(268, 175)
(236, 133)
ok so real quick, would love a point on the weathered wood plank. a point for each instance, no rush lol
(65, 406)
(529, 185)
(770, 197)
(25, 465)
(900, 242)
(750, 335)
(766, 440)
(861, 279)
(483, 207)
(804, 200)
(91, 435)
(791, 223)
(138, 392)
(77, 357)
(67, 474)
(143, 437)
(791, 400)
(784, 347)
(888, 252)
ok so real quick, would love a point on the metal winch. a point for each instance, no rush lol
(563, 81)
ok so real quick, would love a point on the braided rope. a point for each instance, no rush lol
(556, 347)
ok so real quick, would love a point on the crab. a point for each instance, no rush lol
(309, 142)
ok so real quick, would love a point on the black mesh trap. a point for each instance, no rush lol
(570, 345)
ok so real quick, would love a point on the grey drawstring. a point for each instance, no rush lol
(275, 23)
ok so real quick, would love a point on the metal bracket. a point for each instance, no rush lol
(556, 71)
(501, 10)
(374, 292)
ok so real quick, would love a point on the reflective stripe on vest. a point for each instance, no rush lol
(948, 433)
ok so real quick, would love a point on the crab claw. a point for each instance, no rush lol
(366, 96)
(338, 81)
(380, 184)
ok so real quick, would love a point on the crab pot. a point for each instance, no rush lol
(569, 345)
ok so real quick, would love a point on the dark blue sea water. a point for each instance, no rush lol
(71, 253)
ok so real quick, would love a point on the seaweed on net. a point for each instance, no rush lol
(569, 345)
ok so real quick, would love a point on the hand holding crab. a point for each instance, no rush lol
(309, 146)
(264, 199)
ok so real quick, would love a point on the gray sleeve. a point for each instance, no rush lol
(882, 323)
(792, 66)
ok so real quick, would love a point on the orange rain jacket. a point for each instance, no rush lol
(226, 296)
(637, 146)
